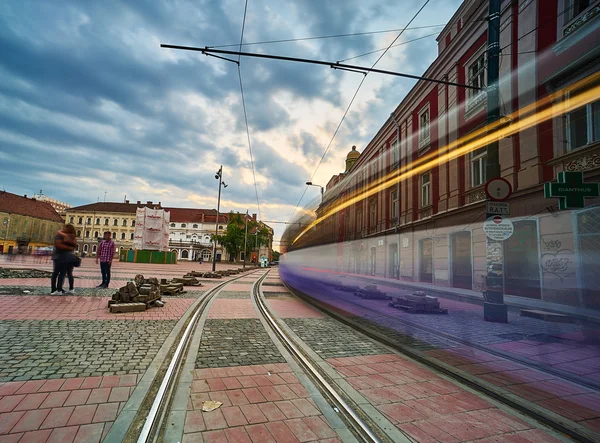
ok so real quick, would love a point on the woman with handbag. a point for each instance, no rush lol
(64, 259)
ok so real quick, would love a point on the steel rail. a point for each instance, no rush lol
(150, 422)
(360, 426)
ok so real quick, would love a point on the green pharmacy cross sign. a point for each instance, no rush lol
(571, 190)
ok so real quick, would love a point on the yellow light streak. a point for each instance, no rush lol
(479, 139)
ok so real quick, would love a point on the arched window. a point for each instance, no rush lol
(71, 219)
(79, 233)
(89, 220)
(98, 221)
(94, 248)
(87, 234)
(105, 222)
(80, 220)
(195, 226)
(132, 223)
(114, 235)
(115, 222)
(183, 225)
(131, 236)
(172, 225)
(85, 248)
(96, 234)
(184, 253)
(122, 236)
(124, 222)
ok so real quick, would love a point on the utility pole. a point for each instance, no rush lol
(245, 240)
(219, 175)
(494, 309)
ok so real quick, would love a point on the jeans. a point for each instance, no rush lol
(58, 276)
(105, 269)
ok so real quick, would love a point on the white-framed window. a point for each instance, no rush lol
(395, 154)
(105, 222)
(478, 165)
(114, 235)
(574, 8)
(96, 234)
(122, 236)
(79, 233)
(71, 219)
(183, 225)
(88, 221)
(115, 222)
(124, 222)
(80, 221)
(94, 248)
(98, 220)
(476, 73)
(425, 189)
(131, 236)
(195, 226)
(85, 248)
(132, 223)
(394, 204)
(424, 128)
(583, 126)
(87, 234)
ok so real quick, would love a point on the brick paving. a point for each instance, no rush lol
(261, 403)
(293, 308)
(232, 308)
(236, 342)
(62, 410)
(428, 407)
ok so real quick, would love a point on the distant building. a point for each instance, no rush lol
(26, 223)
(59, 206)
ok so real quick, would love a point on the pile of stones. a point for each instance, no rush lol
(24, 273)
(137, 295)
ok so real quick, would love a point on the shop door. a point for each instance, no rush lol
(462, 270)
(426, 262)
(521, 261)
(588, 228)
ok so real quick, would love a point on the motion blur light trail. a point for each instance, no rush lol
(526, 117)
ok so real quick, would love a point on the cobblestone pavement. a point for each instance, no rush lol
(32, 349)
(329, 338)
(236, 342)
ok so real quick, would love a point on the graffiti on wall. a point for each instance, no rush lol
(556, 261)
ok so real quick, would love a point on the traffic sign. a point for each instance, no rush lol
(497, 208)
(498, 228)
(571, 190)
(498, 189)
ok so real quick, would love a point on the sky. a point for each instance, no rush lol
(91, 104)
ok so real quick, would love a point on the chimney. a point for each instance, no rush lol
(254, 216)
(127, 201)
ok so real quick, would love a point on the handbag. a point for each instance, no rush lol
(70, 259)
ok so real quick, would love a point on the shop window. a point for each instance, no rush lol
(478, 165)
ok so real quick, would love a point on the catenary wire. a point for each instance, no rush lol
(352, 101)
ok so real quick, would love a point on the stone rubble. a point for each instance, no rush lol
(136, 295)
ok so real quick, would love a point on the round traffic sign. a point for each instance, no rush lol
(498, 228)
(498, 189)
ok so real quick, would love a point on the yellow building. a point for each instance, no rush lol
(26, 223)
(91, 221)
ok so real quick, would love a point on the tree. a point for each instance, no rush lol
(233, 238)
(276, 255)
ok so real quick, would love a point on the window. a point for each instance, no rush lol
(87, 234)
(85, 248)
(71, 219)
(359, 221)
(425, 189)
(132, 223)
(476, 77)
(80, 220)
(122, 236)
(573, 8)
(172, 225)
(105, 222)
(88, 221)
(478, 165)
(79, 233)
(115, 222)
(583, 126)
(94, 248)
(114, 235)
(395, 148)
(220, 227)
(373, 214)
(98, 221)
(394, 205)
(195, 226)
(424, 136)
(374, 169)
(124, 222)
(96, 234)
(183, 225)
(131, 236)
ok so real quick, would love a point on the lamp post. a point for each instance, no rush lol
(319, 186)
(218, 176)
(245, 240)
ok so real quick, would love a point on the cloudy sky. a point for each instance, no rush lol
(90, 103)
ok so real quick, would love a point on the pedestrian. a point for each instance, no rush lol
(64, 260)
(105, 254)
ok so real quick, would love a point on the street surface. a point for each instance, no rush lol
(68, 368)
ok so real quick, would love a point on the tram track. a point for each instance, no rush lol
(549, 418)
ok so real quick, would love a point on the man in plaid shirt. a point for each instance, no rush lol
(105, 254)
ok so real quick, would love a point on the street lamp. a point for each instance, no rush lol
(218, 176)
(311, 184)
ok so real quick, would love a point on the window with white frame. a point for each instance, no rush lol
(131, 236)
(574, 8)
(122, 236)
(94, 248)
(583, 126)
(424, 130)
(478, 165)
(425, 189)
(395, 154)
(476, 72)
(71, 219)
(394, 204)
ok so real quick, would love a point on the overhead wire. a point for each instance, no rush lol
(245, 112)
(352, 101)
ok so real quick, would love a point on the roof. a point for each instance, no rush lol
(193, 215)
(126, 208)
(16, 204)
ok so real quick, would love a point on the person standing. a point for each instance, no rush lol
(64, 244)
(105, 254)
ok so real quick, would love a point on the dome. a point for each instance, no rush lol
(351, 158)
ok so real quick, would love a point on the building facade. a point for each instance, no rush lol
(26, 224)
(413, 203)
(191, 233)
(60, 207)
